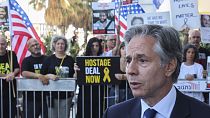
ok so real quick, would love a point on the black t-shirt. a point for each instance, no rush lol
(67, 67)
(52, 63)
(33, 64)
(5, 61)
(202, 56)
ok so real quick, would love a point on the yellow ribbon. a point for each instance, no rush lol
(106, 75)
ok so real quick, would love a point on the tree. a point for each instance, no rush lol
(38, 4)
(62, 13)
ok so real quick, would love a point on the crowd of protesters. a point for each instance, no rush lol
(61, 64)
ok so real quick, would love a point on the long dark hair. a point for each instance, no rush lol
(88, 51)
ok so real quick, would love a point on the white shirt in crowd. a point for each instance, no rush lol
(197, 69)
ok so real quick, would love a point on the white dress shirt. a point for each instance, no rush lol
(164, 107)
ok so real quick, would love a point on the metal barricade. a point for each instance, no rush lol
(24, 87)
(94, 99)
(116, 94)
(193, 86)
(8, 101)
(51, 93)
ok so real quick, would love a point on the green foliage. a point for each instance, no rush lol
(207, 46)
(47, 43)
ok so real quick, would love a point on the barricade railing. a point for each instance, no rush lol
(52, 94)
(62, 84)
(8, 101)
(100, 97)
(24, 87)
(193, 86)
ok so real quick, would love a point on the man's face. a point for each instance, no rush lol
(2, 13)
(195, 38)
(111, 42)
(102, 17)
(3, 46)
(145, 74)
(34, 48)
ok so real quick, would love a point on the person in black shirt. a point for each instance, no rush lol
(8, 73)
(59, 65)
(194, 37)
(93, 48)
(31, 67)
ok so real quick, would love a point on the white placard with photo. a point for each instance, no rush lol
(205, 28)
(159, 18)
(103, 18)
(4, 18)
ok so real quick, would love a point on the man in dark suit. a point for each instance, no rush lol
(154, 56)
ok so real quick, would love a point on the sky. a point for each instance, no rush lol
(34, 16)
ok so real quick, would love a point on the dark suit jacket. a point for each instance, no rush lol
(185, 107)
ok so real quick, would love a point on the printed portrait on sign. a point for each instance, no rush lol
(4, 22)
(205, 20)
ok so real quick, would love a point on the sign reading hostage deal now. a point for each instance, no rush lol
(97, 70)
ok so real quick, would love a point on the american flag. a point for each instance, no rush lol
(22, 30)
(124, 11)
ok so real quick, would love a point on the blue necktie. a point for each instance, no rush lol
(150, 113)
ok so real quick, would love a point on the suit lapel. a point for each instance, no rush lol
(135, 111)
(181, 108)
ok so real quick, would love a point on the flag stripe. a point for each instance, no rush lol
(124, 11)
(17, 45)
(25, 49)
(22, 30)
(14, 15)
(18, 25)
(123, 25)
(37, 37)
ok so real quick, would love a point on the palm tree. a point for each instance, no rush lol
(38, 4)
(62, 13)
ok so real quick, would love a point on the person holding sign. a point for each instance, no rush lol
(154, 56)
(59, 65)
(194, 38)
(190, 70)
(93, 48)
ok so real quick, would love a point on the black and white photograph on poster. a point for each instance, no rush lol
(4, 22)
(205, 20)
(184, 14)
(205, 28)
(158, 18)
(103, 18)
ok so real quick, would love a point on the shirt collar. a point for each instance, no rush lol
(164, 107)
